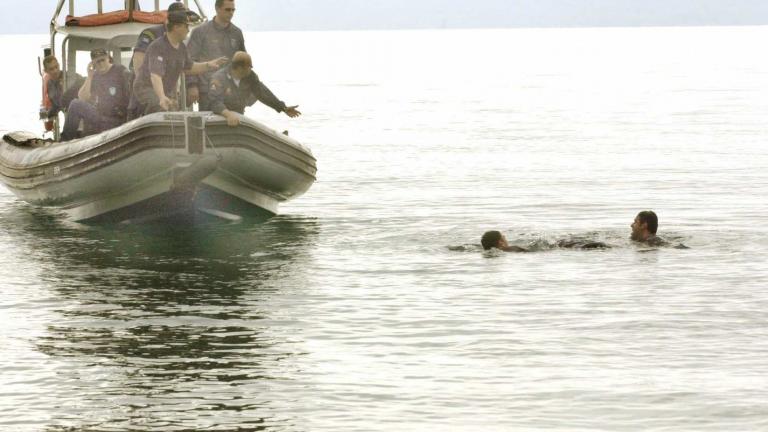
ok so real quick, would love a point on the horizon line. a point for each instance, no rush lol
(521, 27)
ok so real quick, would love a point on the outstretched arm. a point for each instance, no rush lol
(200, 68)
(515, 249)
(269, 99)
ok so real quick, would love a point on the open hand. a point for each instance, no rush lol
(292, 112)
(193, 95)
(166, 103)
(232, 118)
(219, 62)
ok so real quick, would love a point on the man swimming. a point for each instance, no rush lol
(644, 229)
(495, 239)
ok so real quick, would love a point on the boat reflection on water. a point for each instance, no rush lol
(167, 326)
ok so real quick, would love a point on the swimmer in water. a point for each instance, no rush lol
(644, 229)
(582, 244)
(495, 239)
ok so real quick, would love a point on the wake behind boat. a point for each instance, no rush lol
(159, 165)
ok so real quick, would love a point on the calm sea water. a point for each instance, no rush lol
(367, 304)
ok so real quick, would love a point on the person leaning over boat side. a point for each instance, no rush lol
(166, 59)
(216, 38)
(237, 86)
(102, 101)
(644, 229)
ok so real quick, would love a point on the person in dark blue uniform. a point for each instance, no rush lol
(237, 86)
(216, 38)
(151, 34)
(166, 58)
(102, 101)
(146, 37)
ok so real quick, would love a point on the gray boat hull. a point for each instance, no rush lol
(162, 165)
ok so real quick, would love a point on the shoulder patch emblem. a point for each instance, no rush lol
(159, 58)
(112, 91)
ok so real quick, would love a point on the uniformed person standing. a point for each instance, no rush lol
(146, 37)
(237, 86)
(102, 101)
(151, 34)
(216, 38)
(165, 60)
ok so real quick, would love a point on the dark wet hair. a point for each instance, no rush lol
(48, 60)
(220, 2)
(490, 239)
(177, 6)
(650, 218)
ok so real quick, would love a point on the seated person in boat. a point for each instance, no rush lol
(165, 60)
(644, 229)
(55, 99)
(495, 239)
(102, 100)
(237, 86)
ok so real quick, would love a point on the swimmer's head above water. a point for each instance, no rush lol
(644, 226)
(493, 239)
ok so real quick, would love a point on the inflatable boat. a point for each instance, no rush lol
(160, 165)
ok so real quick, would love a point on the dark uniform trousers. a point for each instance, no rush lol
(146, 102)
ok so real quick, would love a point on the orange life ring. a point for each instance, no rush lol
(116, 17)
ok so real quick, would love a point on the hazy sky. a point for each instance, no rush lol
(390, 14)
